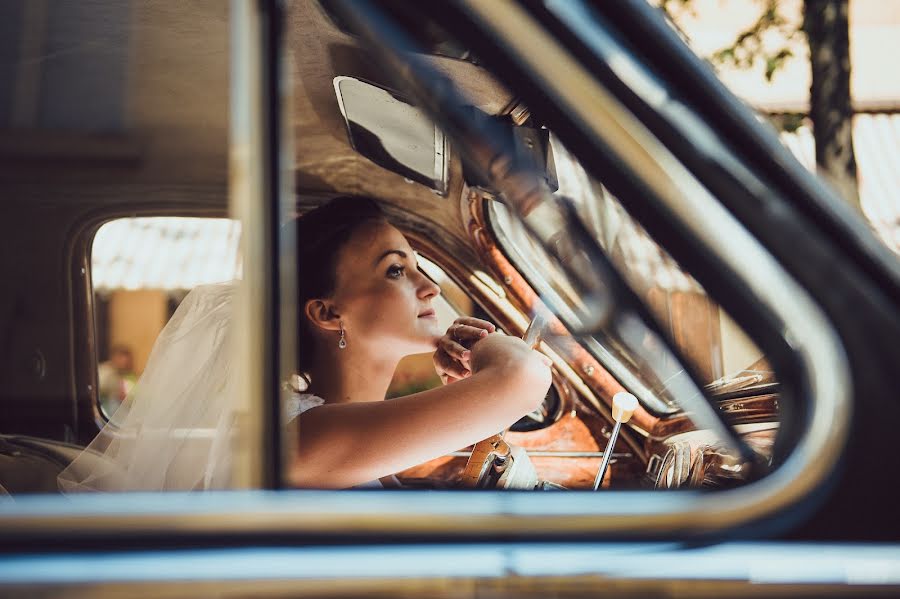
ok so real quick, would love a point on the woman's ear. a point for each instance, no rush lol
(321, 314)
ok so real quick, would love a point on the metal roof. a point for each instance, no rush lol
(167, 253)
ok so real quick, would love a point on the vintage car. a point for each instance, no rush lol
(566, 169)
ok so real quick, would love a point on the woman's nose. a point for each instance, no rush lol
(428, 289)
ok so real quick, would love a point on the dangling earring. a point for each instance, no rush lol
(343, 342)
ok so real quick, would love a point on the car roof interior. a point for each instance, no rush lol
(169, 92)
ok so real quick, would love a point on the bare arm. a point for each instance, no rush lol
(348, 444)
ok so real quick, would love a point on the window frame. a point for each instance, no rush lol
(101, 417)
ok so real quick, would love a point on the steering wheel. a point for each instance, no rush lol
(493, 462)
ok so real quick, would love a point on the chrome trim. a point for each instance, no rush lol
(538, 453)
(756, 569)
(248, 201)
(805, 326)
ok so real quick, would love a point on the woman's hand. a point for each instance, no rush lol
(503, 351)
(451, 360)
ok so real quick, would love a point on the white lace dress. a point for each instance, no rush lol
(301, 402)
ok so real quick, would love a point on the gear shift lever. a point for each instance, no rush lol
(624, 405)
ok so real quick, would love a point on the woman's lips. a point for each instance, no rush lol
(427, 314)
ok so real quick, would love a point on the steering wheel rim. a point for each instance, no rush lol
(480, 471)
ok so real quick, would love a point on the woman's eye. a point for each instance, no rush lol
(396, 271)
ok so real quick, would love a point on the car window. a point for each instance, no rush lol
(141, 269)
(715, 350)
(138, 270)
(109, 110)
(183, 166)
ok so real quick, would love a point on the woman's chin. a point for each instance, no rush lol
(430, 343)
(420, 346)
(431, 327)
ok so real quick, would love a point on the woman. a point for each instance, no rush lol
(364, 304)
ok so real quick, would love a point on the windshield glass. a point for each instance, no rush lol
(722, 356)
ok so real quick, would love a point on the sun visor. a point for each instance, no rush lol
(392, 133)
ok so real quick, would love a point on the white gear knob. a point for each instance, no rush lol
(624, 405)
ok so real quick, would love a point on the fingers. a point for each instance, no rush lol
(476, 322)
(454, 349)
(463, 333)
(446, 365)
(451, 360)
(447, 379)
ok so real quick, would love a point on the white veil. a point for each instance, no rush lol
(173, 432)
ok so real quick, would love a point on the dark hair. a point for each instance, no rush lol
(321, 234)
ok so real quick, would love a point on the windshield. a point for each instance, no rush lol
(722, 356)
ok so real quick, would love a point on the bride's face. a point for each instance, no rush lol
(383, 298)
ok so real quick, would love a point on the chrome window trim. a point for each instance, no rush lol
(757, 569)
(249, 203)
(804, 324)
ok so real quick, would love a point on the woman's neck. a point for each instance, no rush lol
(351, 375)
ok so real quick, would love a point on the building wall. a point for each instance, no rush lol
(135, 320)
